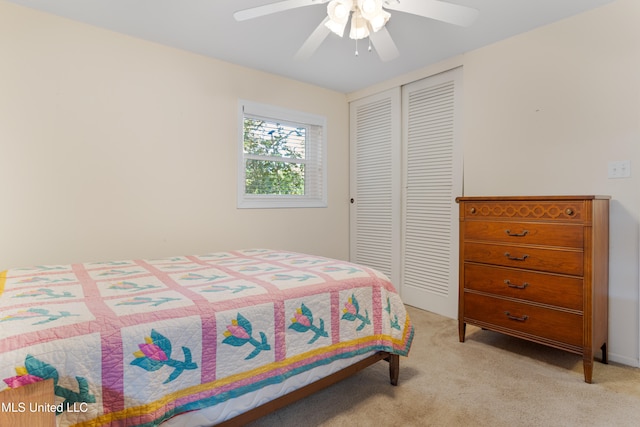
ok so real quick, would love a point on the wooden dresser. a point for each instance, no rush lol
(537, 268)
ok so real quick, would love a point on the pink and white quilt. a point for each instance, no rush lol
(136, 342)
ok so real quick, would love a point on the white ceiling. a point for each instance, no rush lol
(269, 43)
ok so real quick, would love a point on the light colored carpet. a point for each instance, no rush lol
(489, 380)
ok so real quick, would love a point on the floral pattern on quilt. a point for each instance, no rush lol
(178, 267)
(394, 312)
(393, 318)
(357, 313)
(148, 303)
(44, 294)
(305, 261)
(302, 321)
(245, 340)
(228, 261)
(229, 290)
(216, 257)
(351, 313)
(129, 286)
(42, 269)
(76, 385)
(41, 317)
(38, 315)
(48, 278)
(341, 271)
(155, 353)
(166, 262)
(118, 264)
(276, 256)
(255, 269)
(35, 370)
(240, 332)
(309, 323)
(292, 279)
(161, 357)
(29, 295)
(200, 276)
(117, 273)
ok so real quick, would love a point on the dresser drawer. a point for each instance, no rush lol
(531, 233)
(560, 291)
(549, 260)
(514, 210)
(555, 325)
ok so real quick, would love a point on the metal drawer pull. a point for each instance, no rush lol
(511, 285)
(524, 233)
(519, 319)
(508, 255)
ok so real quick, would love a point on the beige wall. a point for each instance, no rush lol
(112, 147)
(544, 113)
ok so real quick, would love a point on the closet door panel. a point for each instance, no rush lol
(432, 179)
(375, 182)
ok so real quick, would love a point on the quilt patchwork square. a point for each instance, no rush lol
(308, 323)
(160, 358)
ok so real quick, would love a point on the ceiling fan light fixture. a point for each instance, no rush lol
(359, 26)
(336, 27)
(380, 20)
(370, 8)
(368, 19)
(338, 12)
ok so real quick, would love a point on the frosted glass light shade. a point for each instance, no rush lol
(380, 20)
(359, 26)
(370, 8)
(338, 11)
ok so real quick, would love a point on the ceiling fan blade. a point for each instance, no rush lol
(314, 41)
(434, 9)
(384, 45)
(268, 9)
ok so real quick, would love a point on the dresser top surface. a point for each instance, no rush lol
(527, 198)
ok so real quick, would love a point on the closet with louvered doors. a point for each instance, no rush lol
(406, 170)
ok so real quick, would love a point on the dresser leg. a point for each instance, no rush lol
(588, 369)
(605, 357)
(461, 330)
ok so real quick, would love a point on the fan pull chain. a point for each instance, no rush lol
(369, 48)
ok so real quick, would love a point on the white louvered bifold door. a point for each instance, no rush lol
(432, 179)
(375, 182)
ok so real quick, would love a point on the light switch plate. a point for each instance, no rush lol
(619, 169)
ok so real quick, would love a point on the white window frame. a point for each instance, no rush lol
(316, 170)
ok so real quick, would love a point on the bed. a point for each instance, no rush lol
(220, 338)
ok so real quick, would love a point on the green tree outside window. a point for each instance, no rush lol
(274, 158)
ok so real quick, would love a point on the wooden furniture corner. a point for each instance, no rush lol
(32, 405)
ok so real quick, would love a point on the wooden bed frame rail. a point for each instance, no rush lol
(282, 401)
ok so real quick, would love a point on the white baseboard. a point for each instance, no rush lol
(623, 360)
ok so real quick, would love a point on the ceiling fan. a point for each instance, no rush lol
(368, 19)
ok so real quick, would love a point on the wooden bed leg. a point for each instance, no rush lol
(394, 368)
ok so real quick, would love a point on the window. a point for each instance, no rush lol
(281, 158)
